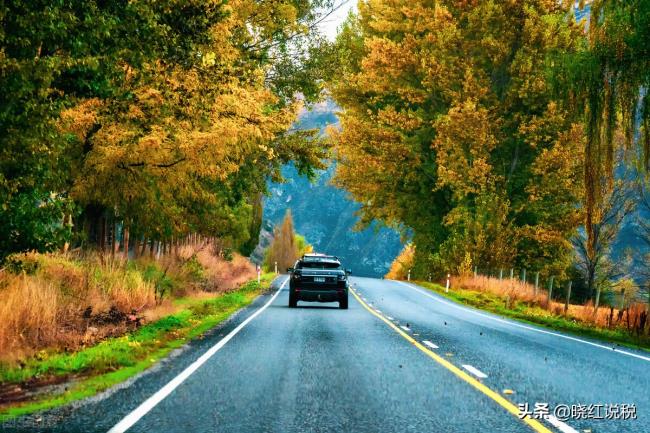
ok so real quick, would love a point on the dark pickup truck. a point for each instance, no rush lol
(318, 278)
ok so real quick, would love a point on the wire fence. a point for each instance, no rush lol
(616, 308)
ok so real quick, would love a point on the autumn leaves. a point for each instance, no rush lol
(164, 118)
(450, 128)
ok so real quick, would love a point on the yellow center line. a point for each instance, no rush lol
(506, 404)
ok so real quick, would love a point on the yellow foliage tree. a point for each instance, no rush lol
(284, 249)
(402, 264)
(448, 122)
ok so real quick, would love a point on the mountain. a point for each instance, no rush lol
(326, 217)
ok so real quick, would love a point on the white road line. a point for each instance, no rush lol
(541, 331)
(128, 421)
(379, 311)
(405, 328)
(475, 371)
(389, 318)
(430, 344)
(564, 428)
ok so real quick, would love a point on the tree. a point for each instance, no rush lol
(595, 260)
(402, 264)
(162, 117)
(450, 130)
(643, 232)
(604, 84)
(284, 247)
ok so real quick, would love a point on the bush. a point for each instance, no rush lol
(22, 262)
(194, 269)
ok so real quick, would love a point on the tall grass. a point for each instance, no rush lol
(513, 291)
(506, 288)
(65, 302)
(28, 315)
(57, 304)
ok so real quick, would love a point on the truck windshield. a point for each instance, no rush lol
(319, 265)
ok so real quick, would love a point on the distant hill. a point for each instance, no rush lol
(325, 215)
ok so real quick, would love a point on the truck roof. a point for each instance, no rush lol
(317, 257)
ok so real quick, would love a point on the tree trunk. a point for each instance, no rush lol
(568, 298)
(116, 245)
(102, 234)
(67, 222)
(597, 301)
(125, 241)
(591, 281)
(143, 251)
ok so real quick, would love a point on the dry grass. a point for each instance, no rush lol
(65, 302)
(28, 313)
(219, 275)
(224, 275)
(513, 290)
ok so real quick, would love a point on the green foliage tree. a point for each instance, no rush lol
(450, 128)
(604, 84)
(162, 117)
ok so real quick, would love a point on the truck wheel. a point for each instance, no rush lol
(343, 303)
(293, 302)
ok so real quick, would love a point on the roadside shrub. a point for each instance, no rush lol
(227, 254)
(194, 269)
(22, 262)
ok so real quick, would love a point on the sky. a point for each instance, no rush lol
(330, 25)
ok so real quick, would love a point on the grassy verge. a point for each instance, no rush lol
(116, 359)
(536, 315)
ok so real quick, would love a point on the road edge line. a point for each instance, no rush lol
(145, 407)
(516, 324)
(506, 404)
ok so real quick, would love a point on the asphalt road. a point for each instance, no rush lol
(401, 359)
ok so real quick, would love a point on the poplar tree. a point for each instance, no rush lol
(284, 247)
(449, 129)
